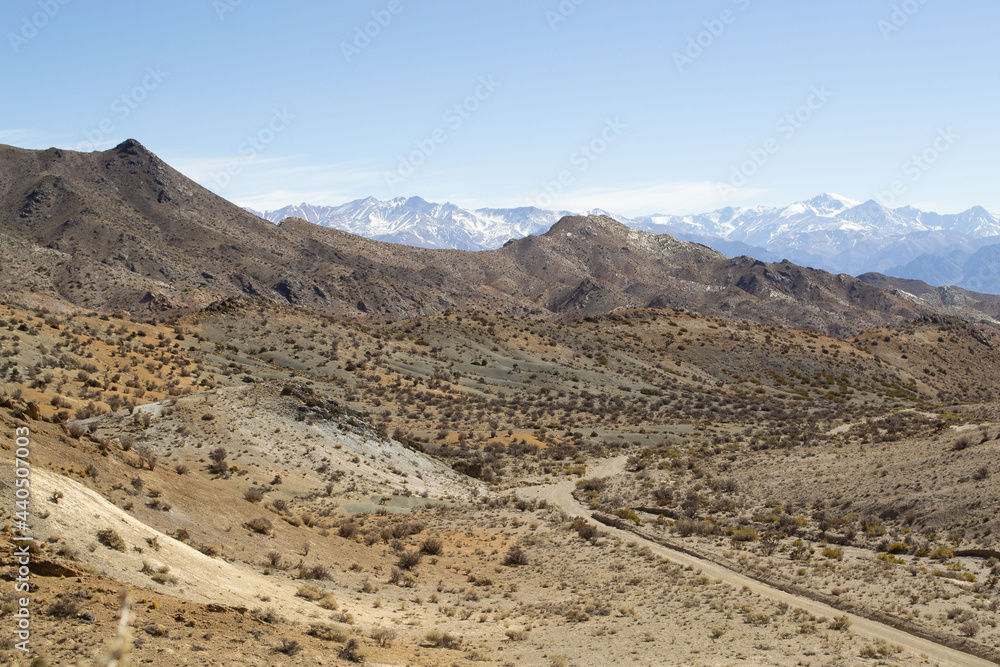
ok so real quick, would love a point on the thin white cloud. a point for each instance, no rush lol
(277, 199)
(269, 183)
(12, 135)
(205, 169)
(28, 138)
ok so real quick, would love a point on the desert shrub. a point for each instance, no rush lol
(181, 469)
(515, 556)
(260, 525)
(65, 606)
(724, 485)
(841, 623)
(383, 636)
(218, 458)
(890, 559)
(663, 495)
(156, 630)
(253, 495)
(409, 560)
(77, 431)
(969, 628)
(309, 592)
(942, 553)
(111, 539)
(833, 553)
(288, 647)
(875, 529)
(879, 649)
(440, 639)
(352, 651)
(209, 550)
(584, 528)
(348, 530)
(400, 578)
(268, 615)
(962, 443)
(317, 572)
(687, 527)
(597, 484)
(432, 546)
(328, 633)
(147, 456)
(629, 515)
(401, 530)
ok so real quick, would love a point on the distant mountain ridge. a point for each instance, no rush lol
(121, 229)
(830, 231)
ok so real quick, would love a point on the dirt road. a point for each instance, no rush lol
(562, 494)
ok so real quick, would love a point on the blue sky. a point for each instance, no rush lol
(631, 106)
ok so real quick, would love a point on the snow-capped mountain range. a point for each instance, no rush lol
(836, 233)
(416, 222)
(830, 232)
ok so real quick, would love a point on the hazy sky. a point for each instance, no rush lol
(633, 106)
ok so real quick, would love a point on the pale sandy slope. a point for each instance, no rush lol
(81, 513)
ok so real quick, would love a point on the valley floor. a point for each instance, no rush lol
(424, 493)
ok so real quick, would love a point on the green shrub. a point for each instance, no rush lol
(745, 535)
(834, 553)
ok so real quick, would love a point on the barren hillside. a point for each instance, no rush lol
(120, 229)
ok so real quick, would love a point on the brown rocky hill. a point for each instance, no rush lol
(120, 229)
(943, 297)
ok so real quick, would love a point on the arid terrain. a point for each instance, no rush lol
(305, 489)
(269, 445)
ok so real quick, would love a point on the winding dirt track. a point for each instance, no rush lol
(562, 494)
